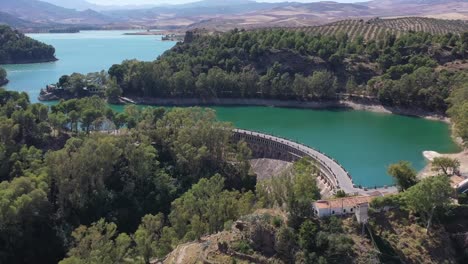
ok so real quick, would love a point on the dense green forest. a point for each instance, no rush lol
(407, 71)
(58, 173)
(74, 188)
(417, 70)
(15, 47)
(83, 184)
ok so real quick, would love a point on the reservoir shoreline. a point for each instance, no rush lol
(29, 61)
(359, 105)
(363, 105)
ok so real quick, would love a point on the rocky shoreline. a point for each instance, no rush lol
(430, 155)
(30, 61)
(352, 104)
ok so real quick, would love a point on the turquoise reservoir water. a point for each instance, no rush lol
(365, 143)
(88, 51)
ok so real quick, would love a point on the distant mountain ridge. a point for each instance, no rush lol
(40, 12)
(83, 5)
(73, 4)
(221, 14)
(13, 21)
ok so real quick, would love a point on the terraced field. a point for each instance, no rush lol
(430, 25)
(378, 28)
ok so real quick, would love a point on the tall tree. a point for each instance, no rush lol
(404, 175)
(148, 235)
(99, 243)
(428, 196)
(205, 208)
(447, 165)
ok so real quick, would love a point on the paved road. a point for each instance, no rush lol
(330, 167)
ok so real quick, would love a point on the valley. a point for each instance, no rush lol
(218, 131)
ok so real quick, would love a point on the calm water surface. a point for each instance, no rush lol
(365, 143)
(88, 51)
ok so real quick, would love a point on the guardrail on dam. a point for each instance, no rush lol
(272, 147)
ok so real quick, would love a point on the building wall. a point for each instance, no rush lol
(329, 211)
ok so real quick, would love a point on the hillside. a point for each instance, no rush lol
(377, 28)
(290, 64)
(312, 14)
(254, 239)
(226, 15)
(73, 4)
(13, 21)
(429, 25)
(446, 9)
(15, 47)
(42, 12)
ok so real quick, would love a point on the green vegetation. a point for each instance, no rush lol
(458, 111)
(287, 64)
(15, 47)
(411, 70)
(3, 76)
(79, 85)
(447, 165)
(404, 175)
(59, 174)
(77, 190)
(294, 191)
(304, 241)
(428, 198)
(429, 195)
(419, 224)
(376, 29)
(68, 186)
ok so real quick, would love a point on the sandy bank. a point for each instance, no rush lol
(430, 155)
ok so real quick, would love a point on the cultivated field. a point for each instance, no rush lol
(378, 28)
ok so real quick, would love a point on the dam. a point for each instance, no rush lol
(330, 170)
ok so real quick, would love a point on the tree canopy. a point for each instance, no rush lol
(404, 175)
(429, 196)
(66, 168)
(448, 166)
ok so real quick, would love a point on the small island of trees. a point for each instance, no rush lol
(17, 48)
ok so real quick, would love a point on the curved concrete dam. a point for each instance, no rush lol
(336, 177)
